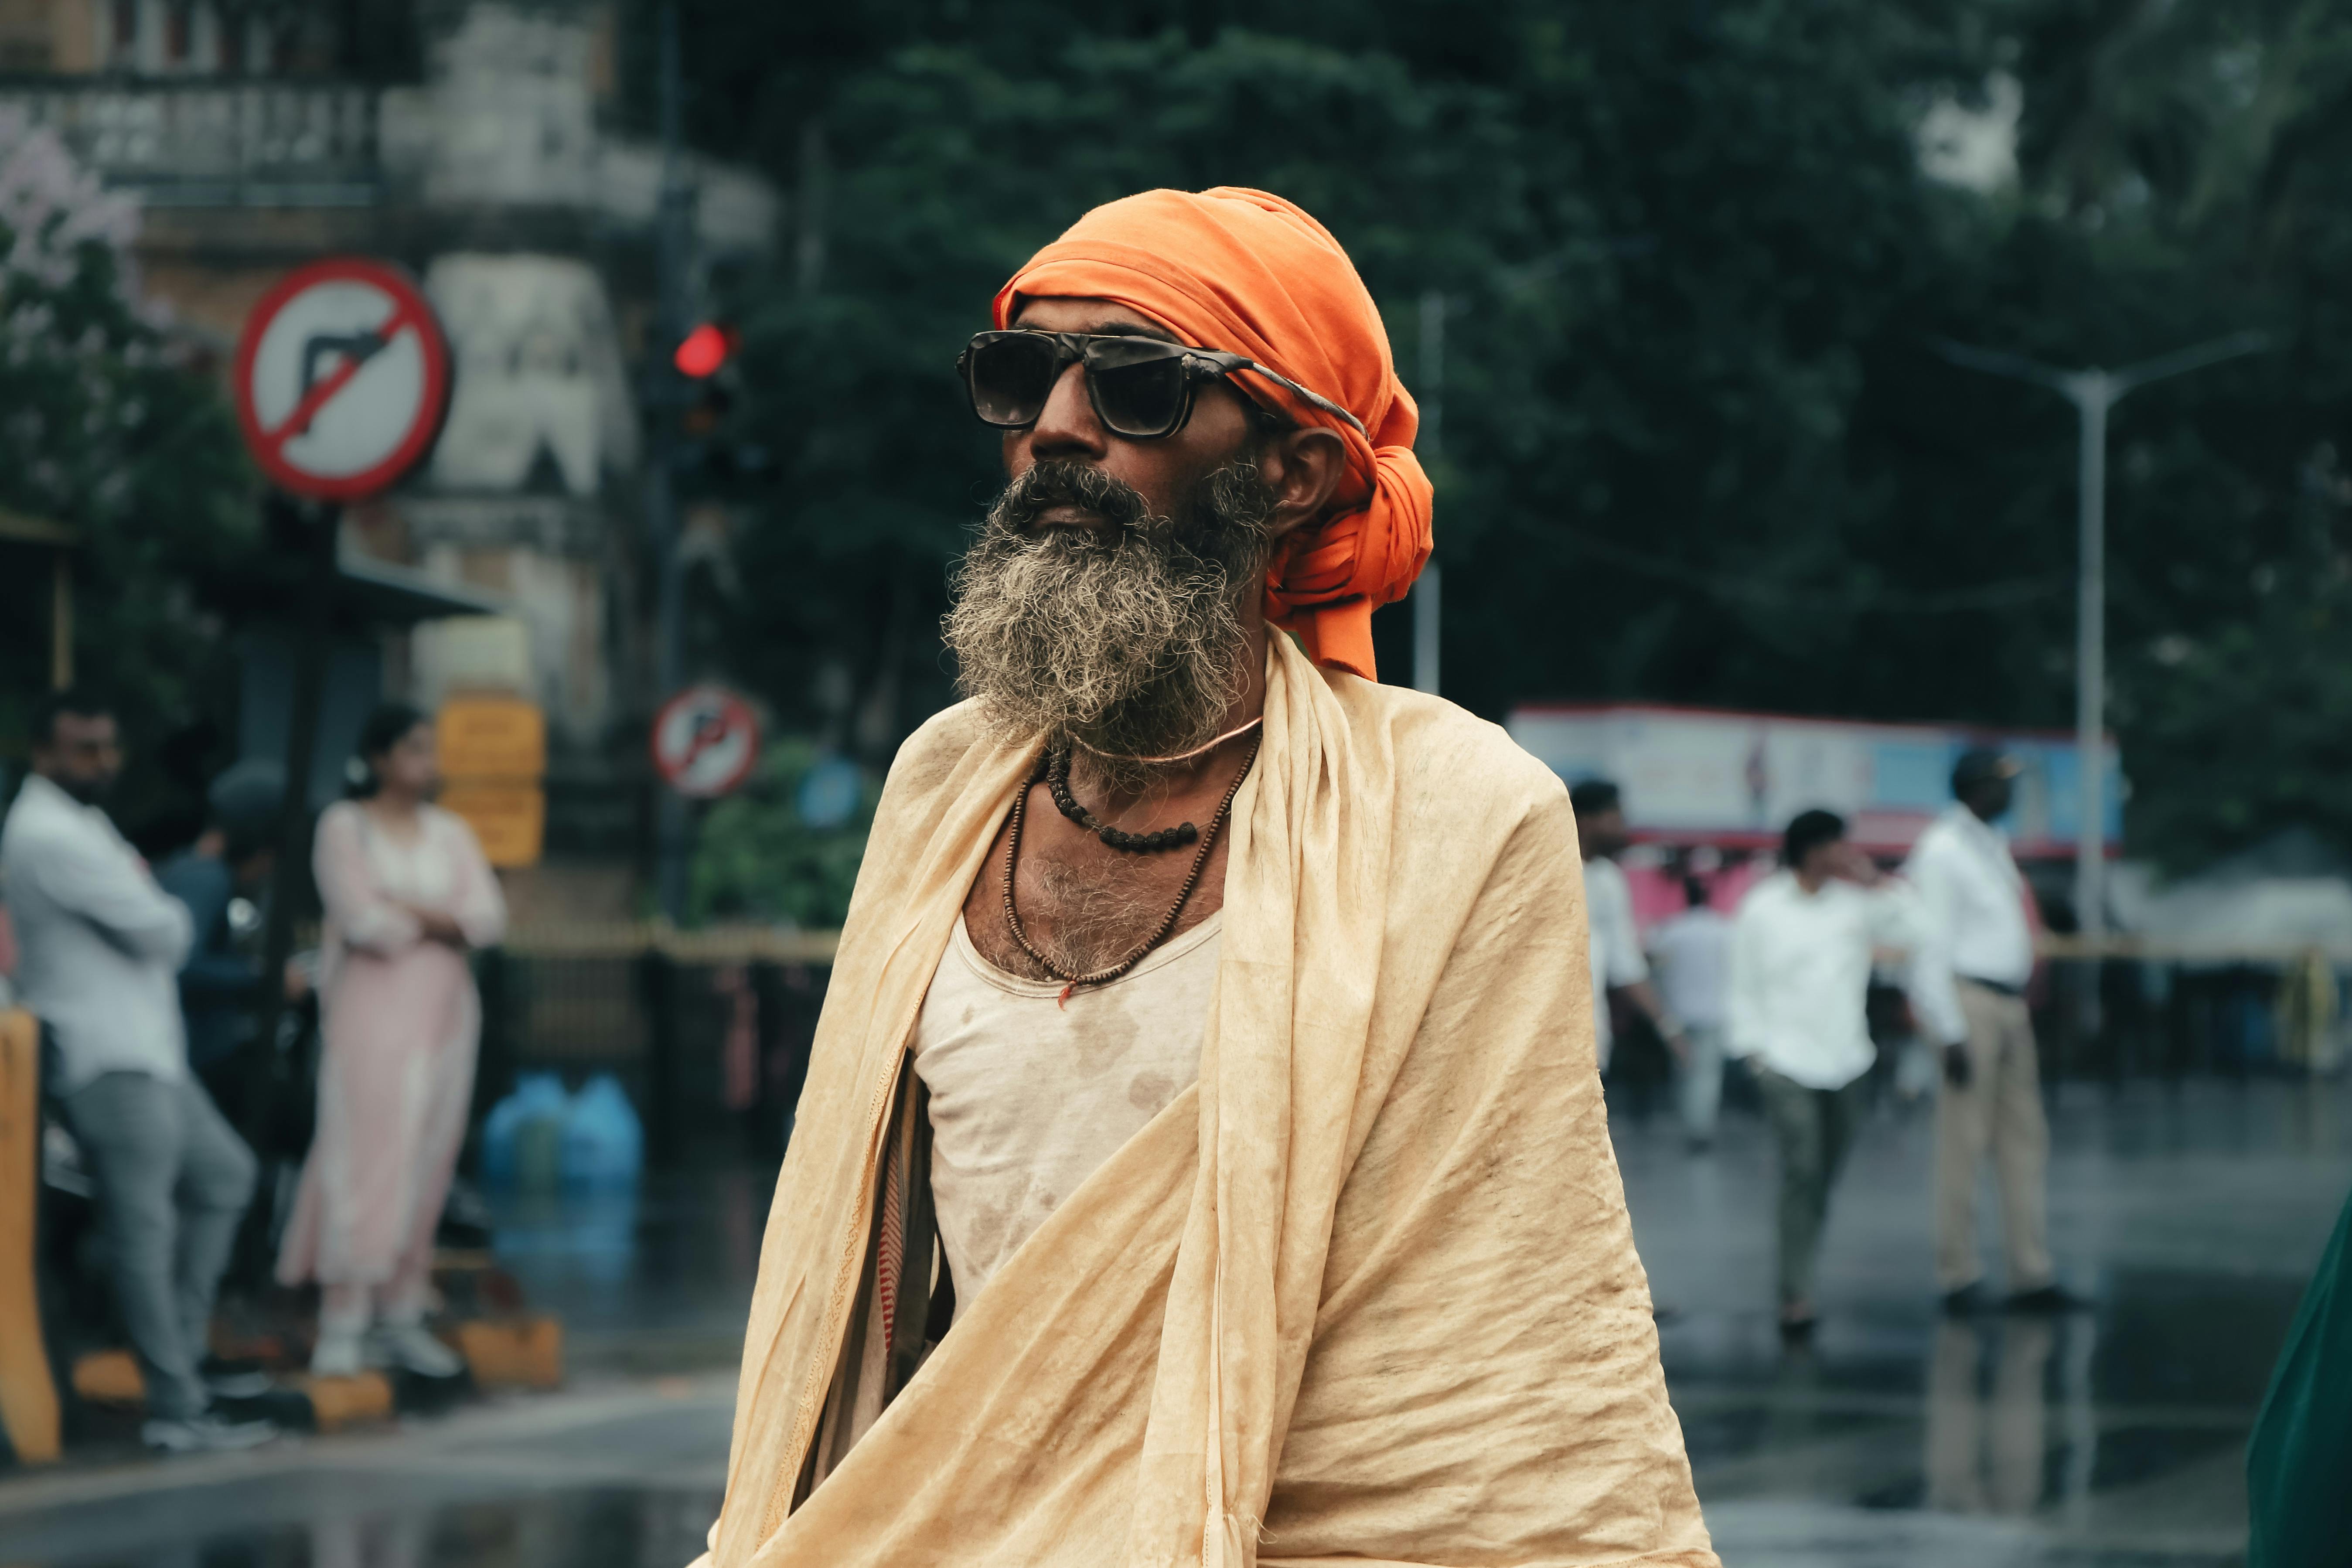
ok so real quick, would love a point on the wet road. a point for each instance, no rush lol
(2191, 1216)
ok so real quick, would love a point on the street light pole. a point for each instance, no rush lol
(1428, 593)
(2094, 392)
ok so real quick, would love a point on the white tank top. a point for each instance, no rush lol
(1029, 1096)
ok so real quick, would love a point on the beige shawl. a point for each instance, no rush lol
(1367, 1294)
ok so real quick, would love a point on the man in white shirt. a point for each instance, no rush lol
(1616, 942)
(1693, 957)
(1970, 988)
(100, 946)
(1802, 953)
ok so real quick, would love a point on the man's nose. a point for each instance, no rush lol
(1067, 428)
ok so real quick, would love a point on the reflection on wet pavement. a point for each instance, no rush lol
(2192, 1214)
(2114, 1439)
(594, 1529)
(627, 1477)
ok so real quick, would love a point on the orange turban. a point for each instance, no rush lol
(1251, 274)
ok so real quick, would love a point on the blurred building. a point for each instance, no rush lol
(476, 141)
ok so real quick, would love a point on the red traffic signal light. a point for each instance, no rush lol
(704, 351)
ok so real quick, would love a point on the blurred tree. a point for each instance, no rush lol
(757, 858)
(106, 428)
(1646, 380)
(1698, 445)
(2188, 162)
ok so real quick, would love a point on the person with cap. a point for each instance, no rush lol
(1969, 991)
(1202, 1158)
(101, 945)
(220, 877)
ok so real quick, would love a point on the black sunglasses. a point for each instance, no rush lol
(1141, 388)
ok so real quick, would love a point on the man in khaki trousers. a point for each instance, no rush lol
(1970, 989)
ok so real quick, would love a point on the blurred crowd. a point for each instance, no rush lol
(1779, 993)
(178, 1038)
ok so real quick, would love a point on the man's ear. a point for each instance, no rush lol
(1303, 467)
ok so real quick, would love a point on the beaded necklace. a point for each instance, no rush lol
(1070, 981)
(1058, 782)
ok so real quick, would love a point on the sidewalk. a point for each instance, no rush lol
(623, 1472)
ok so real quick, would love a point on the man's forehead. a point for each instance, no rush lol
(1104, 317)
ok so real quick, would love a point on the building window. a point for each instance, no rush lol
(126, 28)
(178, 22)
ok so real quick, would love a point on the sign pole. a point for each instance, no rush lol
(342, 380)
(322, 522)
(673, 237)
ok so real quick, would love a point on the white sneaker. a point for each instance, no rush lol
(235, 1380)
(412, 1348)
(339, 1353)
(206, 1434)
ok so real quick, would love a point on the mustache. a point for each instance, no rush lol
(1056, 482)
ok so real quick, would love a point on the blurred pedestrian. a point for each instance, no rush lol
(221, 877)
(1969, 986)
(101, 943)
(1803, 947)
(1613, 940)
(407, 895)
(1694, 955)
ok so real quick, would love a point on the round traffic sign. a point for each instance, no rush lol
(705, 740)
(343, 378)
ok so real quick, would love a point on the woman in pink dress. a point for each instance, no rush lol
(407, 896)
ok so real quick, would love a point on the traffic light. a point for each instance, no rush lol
(705, 356)
(705, 350)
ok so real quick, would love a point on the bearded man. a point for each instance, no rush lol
(1203, 1159)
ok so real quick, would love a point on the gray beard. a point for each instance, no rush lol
(1125, 639)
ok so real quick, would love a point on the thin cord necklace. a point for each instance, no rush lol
(1070, 981)
(1181, 757)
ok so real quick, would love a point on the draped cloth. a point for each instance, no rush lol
(1366, 1292)
(1250, 273)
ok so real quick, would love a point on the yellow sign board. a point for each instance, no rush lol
(510, 818)
(491, 738)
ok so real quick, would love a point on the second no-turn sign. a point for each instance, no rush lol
(705, 740)
(342, 379)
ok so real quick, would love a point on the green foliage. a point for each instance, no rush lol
(755, 859)
(106, 428)
(1697, 445)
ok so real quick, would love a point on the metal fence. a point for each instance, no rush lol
(2125, 1007)
(710, 1031)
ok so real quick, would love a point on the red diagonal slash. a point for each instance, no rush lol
(401, 317)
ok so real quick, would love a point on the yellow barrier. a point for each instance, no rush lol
(520, 1353)
(29, 1397)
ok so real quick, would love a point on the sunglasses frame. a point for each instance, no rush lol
(1093, 349)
